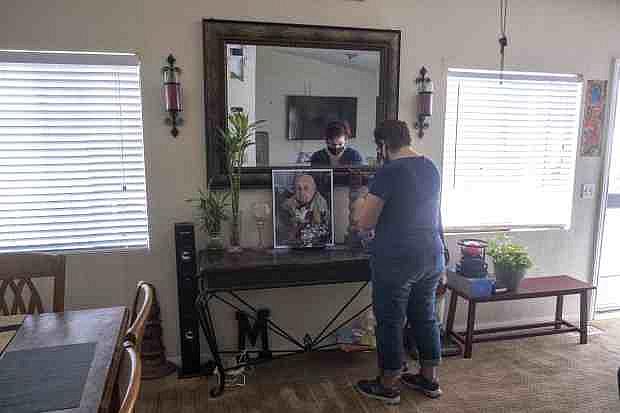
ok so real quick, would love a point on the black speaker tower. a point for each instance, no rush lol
(187, 285)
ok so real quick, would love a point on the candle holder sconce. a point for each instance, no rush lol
(172, 94)
(261, 212)
(424, 86)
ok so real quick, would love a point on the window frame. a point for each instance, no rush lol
(518, 75)
(103, 59)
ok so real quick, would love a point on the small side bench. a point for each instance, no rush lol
(535, 287)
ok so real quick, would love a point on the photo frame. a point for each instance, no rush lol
(303, 208)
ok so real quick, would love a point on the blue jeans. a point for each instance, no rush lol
(398, 294)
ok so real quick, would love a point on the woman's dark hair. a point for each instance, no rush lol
(394, 133)
(337, 128)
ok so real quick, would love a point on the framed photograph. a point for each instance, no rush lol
(303, 205)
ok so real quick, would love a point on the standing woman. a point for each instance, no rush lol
(406, 260)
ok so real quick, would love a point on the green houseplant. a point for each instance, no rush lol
(212, 209)
(511, 261)
(236, 138)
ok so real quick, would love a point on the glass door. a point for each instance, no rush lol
(608, 248)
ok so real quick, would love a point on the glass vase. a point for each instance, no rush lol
(215, 241)
(235, 233)
(235, 218)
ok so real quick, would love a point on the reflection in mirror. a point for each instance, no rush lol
(300, 92)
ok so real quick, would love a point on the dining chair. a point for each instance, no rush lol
(141, 310)
(17, 272)
(129, 378)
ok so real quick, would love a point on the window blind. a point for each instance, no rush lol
(509, 149)
(71, 152)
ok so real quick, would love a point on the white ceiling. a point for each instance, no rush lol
(365, 60)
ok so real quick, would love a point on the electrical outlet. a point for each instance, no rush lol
(587, 191)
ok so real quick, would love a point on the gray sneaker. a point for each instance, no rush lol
(375, 390)
(421, 384)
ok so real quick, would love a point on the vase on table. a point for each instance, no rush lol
(235, 233)
(236, 138)
(261, 212)
(215, 241)
(235, 218)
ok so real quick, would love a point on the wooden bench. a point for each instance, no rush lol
(535, 287)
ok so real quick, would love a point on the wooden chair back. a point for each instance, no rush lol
(17, 272)
(129, 378)
(142, 304)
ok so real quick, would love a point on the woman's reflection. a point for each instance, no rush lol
(336, 153)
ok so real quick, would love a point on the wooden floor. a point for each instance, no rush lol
(542, 375)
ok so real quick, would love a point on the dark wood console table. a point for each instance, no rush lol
(222, 276)
(535, 287)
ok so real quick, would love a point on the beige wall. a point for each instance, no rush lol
(545, 35)
(281, 74)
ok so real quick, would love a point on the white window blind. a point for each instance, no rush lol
(509, 149)
(71, 152)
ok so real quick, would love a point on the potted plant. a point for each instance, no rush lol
(212, 209)
(236, 138)
(511, 261)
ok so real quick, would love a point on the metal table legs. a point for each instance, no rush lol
(233, 300)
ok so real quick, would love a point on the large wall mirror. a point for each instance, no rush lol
(297, 79)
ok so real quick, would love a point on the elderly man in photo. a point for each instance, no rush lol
(307, 213)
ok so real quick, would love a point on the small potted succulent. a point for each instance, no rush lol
(212, 209)
(511, 261)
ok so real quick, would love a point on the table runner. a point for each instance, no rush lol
(42, 379)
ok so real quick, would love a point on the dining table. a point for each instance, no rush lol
(66, 361)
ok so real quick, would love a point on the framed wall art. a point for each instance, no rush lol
(591, 132)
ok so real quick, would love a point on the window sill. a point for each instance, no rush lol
(105, 251)
(500, 230)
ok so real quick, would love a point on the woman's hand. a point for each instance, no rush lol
(366, 211)
(357, 207)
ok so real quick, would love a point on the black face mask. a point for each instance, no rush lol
(335, 150)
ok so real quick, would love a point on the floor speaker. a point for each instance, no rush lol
(185, 245)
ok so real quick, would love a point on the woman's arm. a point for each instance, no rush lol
(366, 211)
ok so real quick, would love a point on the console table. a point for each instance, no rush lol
(535, 287)
(222, 276)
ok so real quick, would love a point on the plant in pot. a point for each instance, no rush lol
(212, 209)
(511, 261)
(236, 138)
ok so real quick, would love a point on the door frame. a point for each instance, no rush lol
(609, 128)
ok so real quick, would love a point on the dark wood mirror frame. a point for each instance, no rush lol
(217, 33)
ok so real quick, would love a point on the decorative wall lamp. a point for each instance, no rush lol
(172, 94)
(424, 101)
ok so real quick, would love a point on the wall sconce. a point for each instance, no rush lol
(424, 100)
(172, 94)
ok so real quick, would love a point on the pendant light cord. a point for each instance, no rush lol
(503, 14)
(503, 40)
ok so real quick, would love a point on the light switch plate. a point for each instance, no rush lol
(587, 191)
